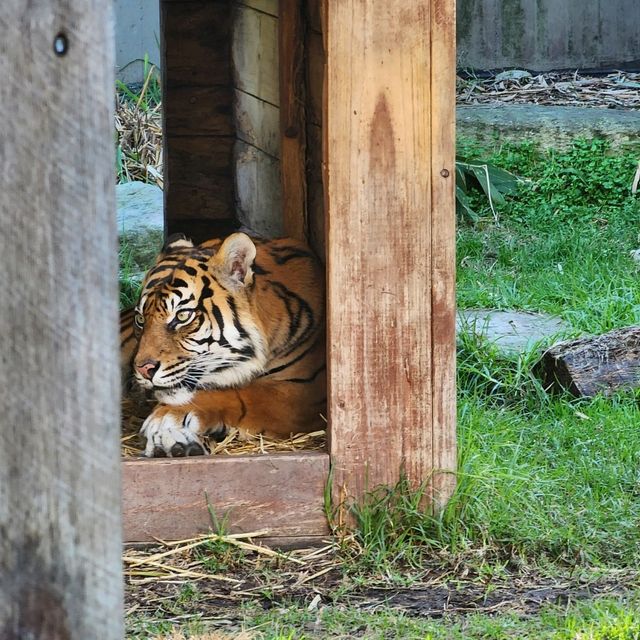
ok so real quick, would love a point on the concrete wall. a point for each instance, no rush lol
(548, 34)
(137, 33)
(535, 34)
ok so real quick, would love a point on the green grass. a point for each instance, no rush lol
(606, 619)
(550, 476)
(600, 619)
(563, 244)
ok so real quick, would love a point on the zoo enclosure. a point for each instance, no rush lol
(387, 158)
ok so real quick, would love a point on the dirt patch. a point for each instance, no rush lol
(314, 582)
(436, 602)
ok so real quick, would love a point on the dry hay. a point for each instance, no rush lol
(619, 90)
(135, 408)
(139, 134)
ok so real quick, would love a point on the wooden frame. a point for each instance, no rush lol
(388, 162)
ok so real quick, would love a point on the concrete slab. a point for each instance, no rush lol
(551, 127)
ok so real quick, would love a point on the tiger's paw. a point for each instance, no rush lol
(172, 432)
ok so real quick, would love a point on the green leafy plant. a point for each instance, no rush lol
(485, 178)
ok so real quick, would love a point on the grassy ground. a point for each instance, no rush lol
(549, 487)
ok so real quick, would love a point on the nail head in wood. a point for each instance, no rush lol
(60, 45)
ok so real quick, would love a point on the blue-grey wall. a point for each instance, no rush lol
(137, 34)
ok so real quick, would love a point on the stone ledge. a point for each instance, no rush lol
(551, 127)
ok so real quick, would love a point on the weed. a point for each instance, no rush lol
(149, 94)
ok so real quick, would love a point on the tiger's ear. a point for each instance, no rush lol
(175, 242)
(235, 257)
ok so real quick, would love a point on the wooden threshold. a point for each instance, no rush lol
(281, 494)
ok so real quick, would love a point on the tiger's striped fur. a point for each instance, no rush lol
(228, 334)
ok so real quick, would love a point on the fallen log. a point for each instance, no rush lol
(588, 366)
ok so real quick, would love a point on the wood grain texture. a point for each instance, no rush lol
(257, 123)
(256, 162)
(195, 40)
(443, 249)
(254, 50)
(313, 14)
(198, 113)
(596, 364)
(315, 60)
(266, 6)
(279, 493)
(60, 528)
(292, 119)
(315, 191)
(259, 196)
(384, 376)
(200, 178)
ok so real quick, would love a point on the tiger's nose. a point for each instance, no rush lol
(148, 368)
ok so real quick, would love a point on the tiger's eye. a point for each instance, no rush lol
(183, 316)
(139, 320)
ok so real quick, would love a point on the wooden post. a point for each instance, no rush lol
(389, 161)
(60, 530)
(292, 118)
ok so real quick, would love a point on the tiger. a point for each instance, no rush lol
(228, 334)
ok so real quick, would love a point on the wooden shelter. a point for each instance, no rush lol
(354, 116)
(332, 122)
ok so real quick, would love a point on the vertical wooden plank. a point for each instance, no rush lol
(255, 61)
(292, 118)
(443, 248)
(378, 172)
(314, 105)
(195, 45)
(60, 528)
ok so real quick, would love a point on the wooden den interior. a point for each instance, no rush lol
(237, 115)
(242, 91)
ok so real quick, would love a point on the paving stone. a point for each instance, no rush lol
(512, 331)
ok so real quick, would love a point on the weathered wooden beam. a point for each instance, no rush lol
(254, 53)
(592, 365)
(292, 118)
(388, 146)
(443, 248)
(60, 528)
(314, 58)
(279, 493)
(195, 44)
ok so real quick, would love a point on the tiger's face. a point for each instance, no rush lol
(195, 321)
